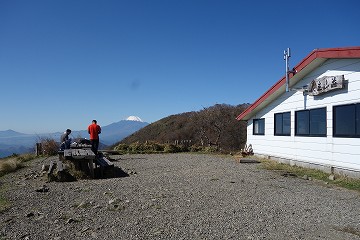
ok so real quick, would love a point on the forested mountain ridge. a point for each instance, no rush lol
(214, 126)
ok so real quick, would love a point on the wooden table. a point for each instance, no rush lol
(82, 155)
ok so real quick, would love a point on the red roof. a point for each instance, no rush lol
(325, 53)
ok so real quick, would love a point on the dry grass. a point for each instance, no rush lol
(348, 229)
(10, 165)
(14, 162)
(26, 157)
(341, 181)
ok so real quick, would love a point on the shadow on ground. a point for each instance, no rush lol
(119, 173)
(111, 172)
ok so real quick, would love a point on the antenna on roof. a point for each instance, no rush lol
(287, 55)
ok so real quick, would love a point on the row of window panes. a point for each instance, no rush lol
(313, 122)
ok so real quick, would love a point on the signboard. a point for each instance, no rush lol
(325, 84)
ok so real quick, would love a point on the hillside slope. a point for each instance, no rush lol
(212, 126)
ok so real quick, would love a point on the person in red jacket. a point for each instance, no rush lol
(94, 130)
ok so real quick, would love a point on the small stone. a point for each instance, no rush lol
(332, 177)
(70, 220)
(114, 201)
(305, 177)
(31, 214)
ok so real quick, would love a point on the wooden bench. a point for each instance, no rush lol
(105, 166)
(83, 159)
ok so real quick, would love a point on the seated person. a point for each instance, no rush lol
(65, 140)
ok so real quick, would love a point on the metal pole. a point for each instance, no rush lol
(286, 58)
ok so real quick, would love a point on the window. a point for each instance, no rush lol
(318, 122)
(259, 126)
(346, 120)
(282, 124)
(311, 122)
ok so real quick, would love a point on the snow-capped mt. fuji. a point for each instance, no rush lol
(134, 118)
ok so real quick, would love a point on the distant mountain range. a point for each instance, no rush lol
(15, 142)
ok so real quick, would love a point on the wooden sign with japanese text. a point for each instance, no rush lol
(325, 84)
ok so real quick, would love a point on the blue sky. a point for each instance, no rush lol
(64, 63)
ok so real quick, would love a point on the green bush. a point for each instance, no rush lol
(170, 148)
(195, 148)
(122, 148)
(136, 148)
(210, 149)
(153, 147)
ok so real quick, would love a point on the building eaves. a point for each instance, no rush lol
(311, 61)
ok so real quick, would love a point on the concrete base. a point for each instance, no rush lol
(248, 160)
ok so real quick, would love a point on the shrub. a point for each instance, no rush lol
(183, 148)
(195, 148)
(49, 146)
(170, 148)
(152, 147)
(210, 149)
(136, 148)
(122, 148)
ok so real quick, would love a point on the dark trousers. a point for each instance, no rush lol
(94, 145)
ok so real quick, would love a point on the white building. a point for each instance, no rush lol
(317, 122)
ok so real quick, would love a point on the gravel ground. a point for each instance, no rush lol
(178, 196)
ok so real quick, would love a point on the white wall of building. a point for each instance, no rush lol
(342, 153)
